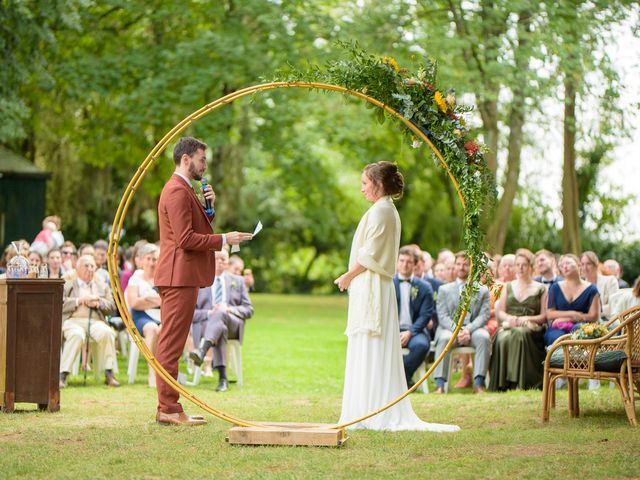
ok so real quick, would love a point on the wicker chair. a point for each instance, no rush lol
(614, 357)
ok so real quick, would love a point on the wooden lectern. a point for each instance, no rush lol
(30, 329)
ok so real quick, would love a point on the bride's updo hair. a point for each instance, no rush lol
(386, 175)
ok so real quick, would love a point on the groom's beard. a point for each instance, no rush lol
(193, 172)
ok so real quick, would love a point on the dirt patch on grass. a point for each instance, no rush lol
(10, 436)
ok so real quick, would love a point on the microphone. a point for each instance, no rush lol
(208, 208)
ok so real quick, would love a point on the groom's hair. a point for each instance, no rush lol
(187, 145)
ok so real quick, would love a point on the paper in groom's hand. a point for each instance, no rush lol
(236, 248)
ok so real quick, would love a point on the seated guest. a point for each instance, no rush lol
(134, 265)
(506, 268)
(220, 314)
(625, 298)
(611, 267)
(415, 309)
(54, 263)
(35, 258)
(445, 255)
(85, 304)
(419, 271)
(425, 264)
(69, 256)
(494, 294)
(100, 248)
(518, 351)
(440, 273)
(236, 266)
(606, 285)
(144, 301)
(473, 333)
(572, 301)
(546, 268)
(249, 281)
(450, 273)
(86, 249)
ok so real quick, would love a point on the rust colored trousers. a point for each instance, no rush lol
(178, 305)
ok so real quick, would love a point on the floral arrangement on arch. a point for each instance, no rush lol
(434, 109)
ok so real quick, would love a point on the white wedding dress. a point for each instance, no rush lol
(374, 372)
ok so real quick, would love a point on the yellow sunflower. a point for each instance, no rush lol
(440, 101)
(393, 63)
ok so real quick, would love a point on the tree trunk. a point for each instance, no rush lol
(570, 198)
(489, 113)
(497, 234)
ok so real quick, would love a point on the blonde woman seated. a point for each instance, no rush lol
(572, 301)
(519, 350)
(144, 301)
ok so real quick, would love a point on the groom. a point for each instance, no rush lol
(415, 309)
(186, 263)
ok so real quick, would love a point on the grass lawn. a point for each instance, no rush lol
(293, 371)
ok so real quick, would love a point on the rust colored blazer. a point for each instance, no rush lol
(187, 242)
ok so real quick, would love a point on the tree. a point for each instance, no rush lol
(576, 39)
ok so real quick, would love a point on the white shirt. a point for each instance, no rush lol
(405, 302)
(185, 179)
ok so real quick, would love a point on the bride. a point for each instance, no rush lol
(374, 372)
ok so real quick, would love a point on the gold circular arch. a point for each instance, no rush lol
(133, 185)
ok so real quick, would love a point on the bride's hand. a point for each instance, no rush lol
(343, 282)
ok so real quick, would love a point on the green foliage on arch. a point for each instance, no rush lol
(420, 99)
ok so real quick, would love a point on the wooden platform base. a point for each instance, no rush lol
(303, 434)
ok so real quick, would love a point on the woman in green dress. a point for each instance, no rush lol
(518, 351)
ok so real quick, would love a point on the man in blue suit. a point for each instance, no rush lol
(415, 309)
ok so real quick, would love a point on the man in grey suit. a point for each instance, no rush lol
(220, 313)
(473, 333)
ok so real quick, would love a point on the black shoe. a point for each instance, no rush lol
(198, 355)
(197, 359)
(223, 386)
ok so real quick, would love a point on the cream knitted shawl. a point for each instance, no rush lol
(375, 247)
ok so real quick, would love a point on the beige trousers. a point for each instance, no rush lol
(103, 345)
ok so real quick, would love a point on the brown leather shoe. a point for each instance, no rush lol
(110, 380)
(181, 419)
